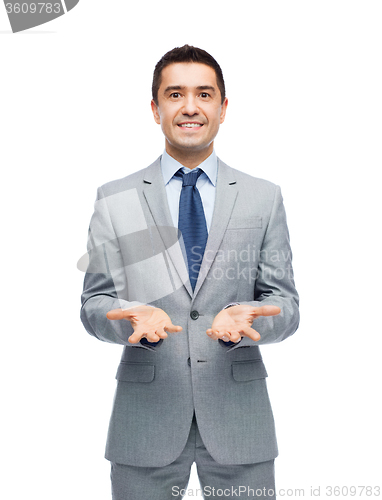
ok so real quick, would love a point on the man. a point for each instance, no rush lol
(190, 270)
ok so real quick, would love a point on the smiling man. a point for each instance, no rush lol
(189, 113)
(191, 311)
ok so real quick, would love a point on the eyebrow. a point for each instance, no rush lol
(171, 88)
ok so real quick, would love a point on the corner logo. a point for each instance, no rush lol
(26, 14)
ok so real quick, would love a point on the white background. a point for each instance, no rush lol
(304, 85)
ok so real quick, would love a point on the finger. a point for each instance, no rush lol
(251, 333)
(224, 335)
(161, 333)
(235, 336)
(152, 337)
(211, 334)
(221, 334)
(136, 337)
(139, 333)
(173, 328)
(267, 311)
(116, 314)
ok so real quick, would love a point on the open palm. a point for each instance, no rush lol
(235, 322)
(150, 322)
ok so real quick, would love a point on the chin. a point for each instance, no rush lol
(192, 144)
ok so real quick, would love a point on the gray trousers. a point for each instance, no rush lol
(216, 480)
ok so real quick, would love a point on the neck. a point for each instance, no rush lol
(188, 159)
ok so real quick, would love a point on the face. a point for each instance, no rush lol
(189, 108)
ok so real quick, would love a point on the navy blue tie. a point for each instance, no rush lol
(192, 222)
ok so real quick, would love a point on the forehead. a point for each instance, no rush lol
(188, 75)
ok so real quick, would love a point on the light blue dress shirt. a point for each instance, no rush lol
(206, 184)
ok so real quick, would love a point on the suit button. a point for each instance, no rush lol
(194, 315)
(189, 361)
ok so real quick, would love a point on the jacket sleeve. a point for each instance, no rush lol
(105, 280)
(275, 283)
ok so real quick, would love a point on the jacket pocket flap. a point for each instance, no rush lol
(242, 371)
(135, 372)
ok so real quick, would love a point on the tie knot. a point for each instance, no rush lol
(190, 178)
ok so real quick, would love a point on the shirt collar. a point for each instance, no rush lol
(169, 166)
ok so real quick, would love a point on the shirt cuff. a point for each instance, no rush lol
(144, 341)
(231, 304)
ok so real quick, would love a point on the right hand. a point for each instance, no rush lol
(149, 322)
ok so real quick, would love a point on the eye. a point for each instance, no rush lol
(204, 95)
(175, 95)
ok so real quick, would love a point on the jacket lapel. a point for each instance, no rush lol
(155, 193)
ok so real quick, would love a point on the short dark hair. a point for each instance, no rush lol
(186, 54)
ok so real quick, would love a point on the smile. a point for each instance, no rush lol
(190, 125)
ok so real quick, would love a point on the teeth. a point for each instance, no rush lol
(190, 125)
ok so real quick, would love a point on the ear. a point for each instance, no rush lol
(155, 110)
(223, 110)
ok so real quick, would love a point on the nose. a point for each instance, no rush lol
(190, 107)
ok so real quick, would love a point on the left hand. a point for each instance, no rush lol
(150, 322)
(235, 322)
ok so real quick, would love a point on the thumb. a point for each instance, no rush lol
(267, 311)
(251, 333)
(116, 314)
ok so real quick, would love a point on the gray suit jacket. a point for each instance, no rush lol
(135, 255)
